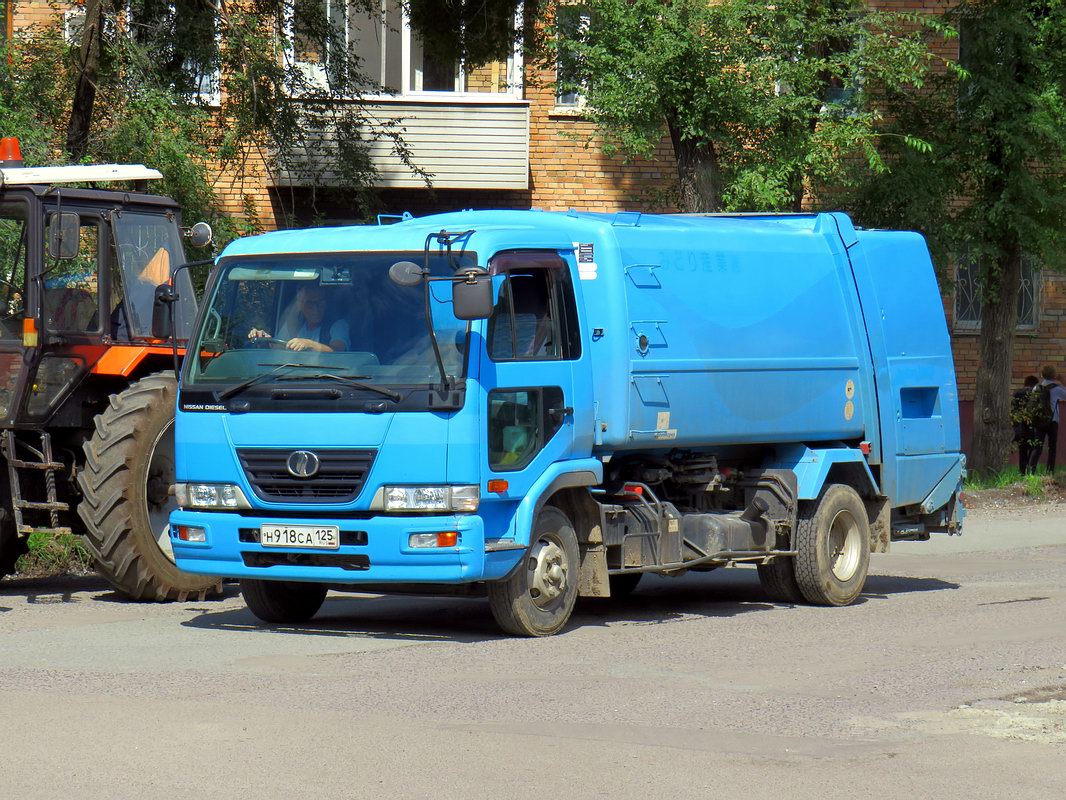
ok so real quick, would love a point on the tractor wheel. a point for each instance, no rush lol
(11, 544)
(127, 486)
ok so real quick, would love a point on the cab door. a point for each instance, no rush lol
(74, 296)
(527, 375)
(19, 237)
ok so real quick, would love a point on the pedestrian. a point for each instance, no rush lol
(1044, 402)
(1024, 431)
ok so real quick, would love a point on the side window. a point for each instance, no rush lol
(521, 421)
(524, 325)
(71, 286)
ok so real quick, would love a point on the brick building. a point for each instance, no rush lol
(500, 136)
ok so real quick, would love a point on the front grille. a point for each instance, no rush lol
(340, 476)
(354, 563)
(348, 538)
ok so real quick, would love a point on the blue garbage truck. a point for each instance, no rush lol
(548, 405)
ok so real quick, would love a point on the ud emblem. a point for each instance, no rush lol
(302, 464)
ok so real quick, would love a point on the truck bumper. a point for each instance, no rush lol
(384, 558)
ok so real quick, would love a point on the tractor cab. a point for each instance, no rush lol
(78, 273)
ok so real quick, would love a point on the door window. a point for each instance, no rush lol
(12, 270)
(535, 318)
(521, 421)
(72, 285)
(13, 246)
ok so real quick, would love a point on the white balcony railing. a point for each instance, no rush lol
(463, 141)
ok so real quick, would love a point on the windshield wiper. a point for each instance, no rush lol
(347, 381)
(237, 388)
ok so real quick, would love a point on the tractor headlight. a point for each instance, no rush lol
(217, 496)
(462, 499)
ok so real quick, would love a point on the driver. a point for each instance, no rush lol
(304, 325)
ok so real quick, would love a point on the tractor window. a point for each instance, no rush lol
(72, 286)
(148, 249)
(12, 269)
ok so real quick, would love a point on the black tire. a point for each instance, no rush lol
(553, 562)
(283, 601)
(778, 579)
(832, 543)
(125, 482)
(625, 584)
(12, 546)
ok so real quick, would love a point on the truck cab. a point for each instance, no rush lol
(481, 398)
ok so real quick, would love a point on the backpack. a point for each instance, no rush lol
(1038, 405)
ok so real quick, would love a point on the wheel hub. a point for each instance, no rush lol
(159, 491)
(548, 570)
(845, 546)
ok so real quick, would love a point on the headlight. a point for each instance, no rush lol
(431, 498)
(210, 495)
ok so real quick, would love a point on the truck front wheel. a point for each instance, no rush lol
(832, 543)
(538, 598)
(283, 601)
(127, 486)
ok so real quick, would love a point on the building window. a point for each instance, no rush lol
(968, 294)
(572, 23)
(390, 53)
(201, 79)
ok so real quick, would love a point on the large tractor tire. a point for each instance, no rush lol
(11, 544)
(127, 495)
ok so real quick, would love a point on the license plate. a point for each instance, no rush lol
(316, 537)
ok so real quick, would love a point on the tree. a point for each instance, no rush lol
(993, 187)
(762, 102)
(139, 81)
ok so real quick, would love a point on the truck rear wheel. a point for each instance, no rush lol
(538, 598)
(283, 601)
(778, 579)
(832, 543)
(624, 584)
(127, 495)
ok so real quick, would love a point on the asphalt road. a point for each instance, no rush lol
(947, 680)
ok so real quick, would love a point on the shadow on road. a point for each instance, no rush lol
(881, 586)
(79, 588)
(416, 618)
(424, 618)
(57, 589)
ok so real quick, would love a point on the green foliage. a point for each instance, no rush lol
(766, 100)
(1037, 486)
(997, 139)
(53, 554)
(160, 100)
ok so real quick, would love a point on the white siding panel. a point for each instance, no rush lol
(472, 145)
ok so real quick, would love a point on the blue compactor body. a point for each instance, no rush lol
(543, 405)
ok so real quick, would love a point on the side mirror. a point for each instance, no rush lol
(162, 312)
(64, 230)
(472, 295)
(200, 235)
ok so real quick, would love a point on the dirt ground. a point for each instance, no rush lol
(946, 680)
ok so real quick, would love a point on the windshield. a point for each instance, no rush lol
(148, 249)
(337, 311)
